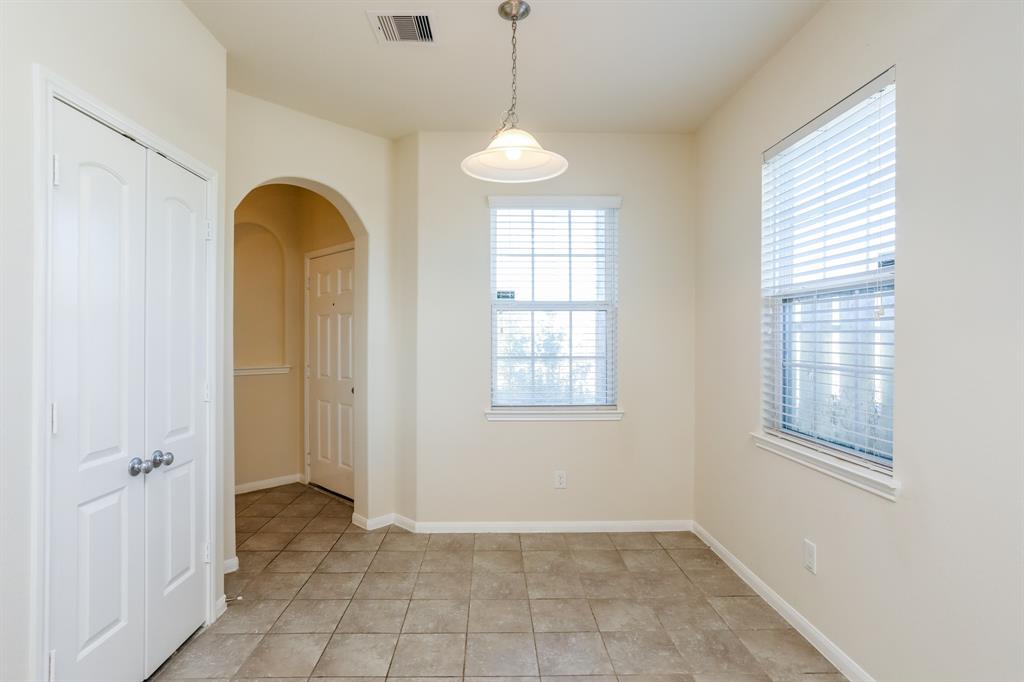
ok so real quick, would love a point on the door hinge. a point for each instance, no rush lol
(53, 419)
(51, 666)
(55, 171)
(307, 372)
(206, 552)
(206, 392)
(309, 281)
(209, 230)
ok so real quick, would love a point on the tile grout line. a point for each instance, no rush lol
(600, 634)
(294, 596)
(533, 624)
(571, 550)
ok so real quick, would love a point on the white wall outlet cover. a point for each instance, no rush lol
(561, 480)
(810, 556)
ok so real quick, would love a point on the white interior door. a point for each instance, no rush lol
(329, 335)
(176, 419)
(128, 376)
(97, 370)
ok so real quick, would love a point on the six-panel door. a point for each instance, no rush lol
(330, 357)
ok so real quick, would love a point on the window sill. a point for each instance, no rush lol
(870, 481)
(539, 414)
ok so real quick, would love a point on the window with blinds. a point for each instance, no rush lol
(828, 268)
(553, 301)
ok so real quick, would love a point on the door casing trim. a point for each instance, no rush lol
(48, 88)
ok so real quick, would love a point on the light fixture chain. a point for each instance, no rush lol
(511, 119)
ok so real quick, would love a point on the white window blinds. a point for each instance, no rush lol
(553, 301)
(827, 279)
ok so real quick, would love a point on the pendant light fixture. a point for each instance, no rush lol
(514, 155)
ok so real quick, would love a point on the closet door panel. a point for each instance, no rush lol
(176, 410)
(96, 374)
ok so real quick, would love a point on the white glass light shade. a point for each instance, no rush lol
(514, 155)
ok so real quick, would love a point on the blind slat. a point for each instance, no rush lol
(554, 301)
(828, 278)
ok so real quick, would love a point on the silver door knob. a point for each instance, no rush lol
(160, 458)
(137, 466)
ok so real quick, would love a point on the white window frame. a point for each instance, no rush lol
(562, 413)
(811, 451)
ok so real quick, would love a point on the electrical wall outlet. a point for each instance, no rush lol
(810, 556)
(561, 481)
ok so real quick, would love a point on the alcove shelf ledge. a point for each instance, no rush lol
(265, 369)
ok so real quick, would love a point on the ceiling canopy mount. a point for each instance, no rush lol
(514, 9)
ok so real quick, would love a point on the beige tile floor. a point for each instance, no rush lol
(319, 598)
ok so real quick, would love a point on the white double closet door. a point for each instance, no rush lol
(128, 372)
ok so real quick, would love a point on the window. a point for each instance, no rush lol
(828, 279)
(553, 301)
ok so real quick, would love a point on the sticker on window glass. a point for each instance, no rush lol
(506, 295)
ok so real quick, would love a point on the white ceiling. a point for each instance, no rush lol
(584, 66)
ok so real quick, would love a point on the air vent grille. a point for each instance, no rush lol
(403, 28)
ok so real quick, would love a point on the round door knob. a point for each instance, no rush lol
(137, 466)
(161, 458)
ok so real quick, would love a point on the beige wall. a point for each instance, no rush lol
(352, 169)
(404, 244)
(469, 469)
(928, 587)
(275, 226)
(155, 64)
(259, 297)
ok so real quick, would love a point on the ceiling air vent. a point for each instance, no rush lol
(401, 28)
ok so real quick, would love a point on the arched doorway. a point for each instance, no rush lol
(296, 355)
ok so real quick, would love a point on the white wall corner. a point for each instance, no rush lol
(829, 649)
(374, 523)
(406, 523)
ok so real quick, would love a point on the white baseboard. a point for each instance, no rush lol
(846, 665)
(551, 526)
(823, 644)
(219, 607)
(231, 565)
(268, 483)
(520, 526)
(382, 521)
(406, 523)
(364, 523)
